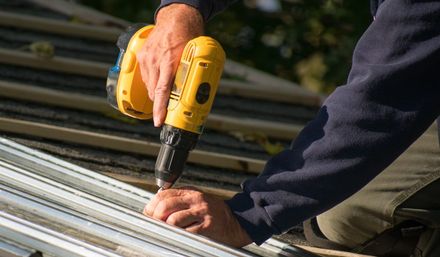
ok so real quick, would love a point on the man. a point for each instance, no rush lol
(391, 97)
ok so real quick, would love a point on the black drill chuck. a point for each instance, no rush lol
(176, 145)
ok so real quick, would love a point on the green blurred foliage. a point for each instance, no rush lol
(307, 41)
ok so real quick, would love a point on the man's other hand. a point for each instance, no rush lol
(176, 24)
(199, 213)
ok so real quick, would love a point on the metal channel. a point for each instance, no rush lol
(151, 230)
(73, 176)
(9, 249)
(98, 187)
(45, 240)
(27, 203)
(279, 248)
(101, 209)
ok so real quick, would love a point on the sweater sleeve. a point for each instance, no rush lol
(208, 8)
(391, 97)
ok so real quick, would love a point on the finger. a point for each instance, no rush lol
(183, 219)
(153, 76)
(160, 196)
(169, 206)
(162, 94)
(143, 66)
(195, 228)
(149, 67)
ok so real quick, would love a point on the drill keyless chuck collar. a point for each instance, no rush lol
(176, 145)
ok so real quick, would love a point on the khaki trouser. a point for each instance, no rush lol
(407, 190)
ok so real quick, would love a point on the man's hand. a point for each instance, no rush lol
(176, 24)
(198, 213)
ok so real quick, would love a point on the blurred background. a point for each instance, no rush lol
(306, 41)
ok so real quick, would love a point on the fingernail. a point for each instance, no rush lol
(156, 122)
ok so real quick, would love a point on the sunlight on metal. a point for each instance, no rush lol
(37, 183)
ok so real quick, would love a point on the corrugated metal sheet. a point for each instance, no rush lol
(59, 208)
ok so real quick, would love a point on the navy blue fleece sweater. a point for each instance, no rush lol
(391, 97)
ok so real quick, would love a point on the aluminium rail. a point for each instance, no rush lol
(156, 236)
(9, 249)
(23, 203)
(46, 240)
(46, 186)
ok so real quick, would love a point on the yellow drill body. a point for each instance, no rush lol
(195, 84)
(191, 98)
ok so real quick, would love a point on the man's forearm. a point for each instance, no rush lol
(208, 8)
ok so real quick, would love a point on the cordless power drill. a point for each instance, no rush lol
(190, 100)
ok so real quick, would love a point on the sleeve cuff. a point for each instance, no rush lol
(203, 6)
(252, 217)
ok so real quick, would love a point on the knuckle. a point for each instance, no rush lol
(198, 197)
(160, 208)
(172, 220)
(203, 208)
(178, 191)
(160, 211)
(208, 222)
(159, 195)
(151, 87)
(148, 55)
(159, 198)
(161, 91)
(147, 211)
(140, 56)
(146, 82)
(197, 229)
